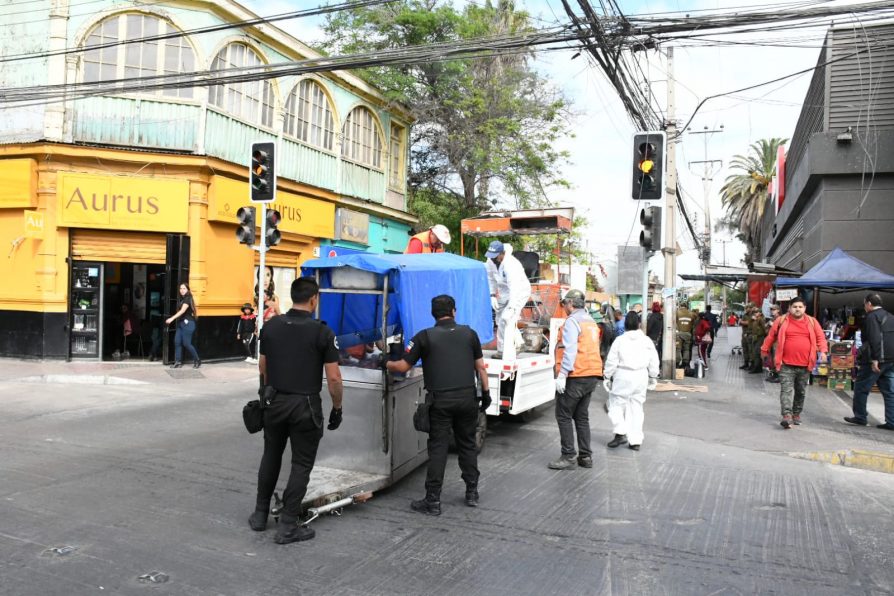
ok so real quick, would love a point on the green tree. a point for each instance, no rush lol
(485, 128)
(745, 194)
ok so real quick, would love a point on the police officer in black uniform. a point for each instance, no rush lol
(451, 356)
(295, 348)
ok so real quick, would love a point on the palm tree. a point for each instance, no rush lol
(745, 195)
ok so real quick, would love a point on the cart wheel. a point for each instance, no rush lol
(481, 432)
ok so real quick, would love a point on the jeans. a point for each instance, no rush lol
(457, 410)
(863, 385)
(574, 406)
(297, 419)
(793, 389)
(183, 337)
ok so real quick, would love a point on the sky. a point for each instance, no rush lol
(600, 169)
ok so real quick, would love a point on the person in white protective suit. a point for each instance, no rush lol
(493, 275)
(514, 290)
(630, 369)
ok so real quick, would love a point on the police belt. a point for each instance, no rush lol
(287, 394)
(453, 393)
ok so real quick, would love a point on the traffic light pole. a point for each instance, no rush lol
(262, 269)
(669, 337)
(647, 254)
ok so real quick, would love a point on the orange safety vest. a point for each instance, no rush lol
(588, 362)
(426, 245)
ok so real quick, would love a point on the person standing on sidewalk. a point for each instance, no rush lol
(578, 368)
(451, 358)
(186, 326)
(757, 329)
(876, 362)
(295, 349)
(631, 368)
(798, 338)
(247, 331)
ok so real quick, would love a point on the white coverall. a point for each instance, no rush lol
(631, 362)
(514, 291)
(493, 283)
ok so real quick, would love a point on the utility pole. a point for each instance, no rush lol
(669, 337)
(708, 172)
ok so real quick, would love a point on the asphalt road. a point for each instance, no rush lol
(160, 477)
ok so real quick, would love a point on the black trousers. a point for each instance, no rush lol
(297, 419)
(573, 413)
(457, 410)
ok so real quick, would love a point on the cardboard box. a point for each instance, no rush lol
(679, 374)
(842, 362)
(841, 348)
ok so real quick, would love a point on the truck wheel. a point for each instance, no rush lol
(481, 432)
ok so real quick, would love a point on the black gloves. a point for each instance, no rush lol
(334, 418)
(485, 400)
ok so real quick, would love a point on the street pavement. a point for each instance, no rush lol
(127, 469)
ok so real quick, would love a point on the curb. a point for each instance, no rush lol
(81, 380)
(852, 458)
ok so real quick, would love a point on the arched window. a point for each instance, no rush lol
(361, 141)
(308, 115)
(250, 100)
(148, 58)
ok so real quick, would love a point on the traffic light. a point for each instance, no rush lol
(262, 176)
(246, 230)
(648, 166)
(650, 237)
(273, 234)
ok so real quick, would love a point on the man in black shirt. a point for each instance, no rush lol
(295, 348)
(451, 357)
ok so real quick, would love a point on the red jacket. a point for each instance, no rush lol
(777, 334)
(703, 329)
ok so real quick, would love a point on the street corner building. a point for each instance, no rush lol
(112, 194)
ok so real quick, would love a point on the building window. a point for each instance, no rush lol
(249, 100)
(396, 170)
(361, 141)
(308, 115)
(145, 59)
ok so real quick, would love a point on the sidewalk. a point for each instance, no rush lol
(126, 372)
(742, 410)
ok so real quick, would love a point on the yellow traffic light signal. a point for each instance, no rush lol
(648, 159)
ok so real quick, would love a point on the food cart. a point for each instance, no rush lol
(377, 303)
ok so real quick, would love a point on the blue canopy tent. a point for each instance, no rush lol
(412, 281)
(840, 272)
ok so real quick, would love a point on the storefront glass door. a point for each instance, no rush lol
(85, 310)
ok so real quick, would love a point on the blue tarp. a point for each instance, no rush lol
(840, 271)
(413, 280)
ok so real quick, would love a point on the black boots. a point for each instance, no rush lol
(197, 363)
(617, 441)
(430, 505)
(292, 532)
(472, 495)
(258, 520)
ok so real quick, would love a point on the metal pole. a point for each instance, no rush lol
(644, 314)
(669, 339)
(262, 247)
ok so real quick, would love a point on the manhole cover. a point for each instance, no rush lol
(185, 374)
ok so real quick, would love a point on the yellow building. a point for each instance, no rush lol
(89, 227)
(112, 199)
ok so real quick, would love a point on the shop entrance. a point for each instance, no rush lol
(123, 287)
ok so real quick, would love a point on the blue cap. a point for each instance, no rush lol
(495, 248)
